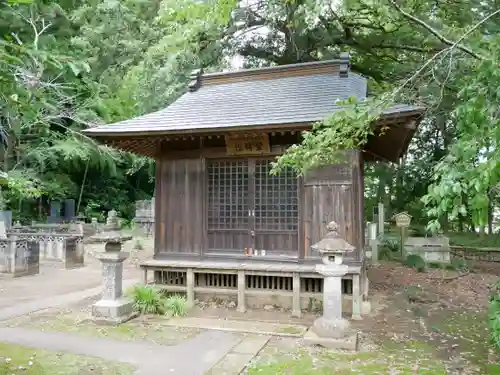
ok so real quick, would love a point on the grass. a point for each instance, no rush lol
(470, 331)
(388, 359)
(291, 330)
(149, 299)
(16, 360)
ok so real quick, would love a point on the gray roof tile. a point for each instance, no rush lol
(284, 100)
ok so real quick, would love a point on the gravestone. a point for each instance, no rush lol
(69, 210)
(55, 213)
(145, 216)
(3, 230)
(6, 218)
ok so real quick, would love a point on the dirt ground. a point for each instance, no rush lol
(433, 322)
(53, 280)
(423, 323)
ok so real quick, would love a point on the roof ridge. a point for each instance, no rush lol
(340, 66)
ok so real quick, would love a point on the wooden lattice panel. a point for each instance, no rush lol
(276, 199)
(216, 280)
(228, 187)
(170, 278)
(261, 282)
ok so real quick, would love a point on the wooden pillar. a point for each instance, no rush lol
(241, 291)
(190, 286)
(356, 297)
(296, 310)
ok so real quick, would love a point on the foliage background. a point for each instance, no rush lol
(71, 64)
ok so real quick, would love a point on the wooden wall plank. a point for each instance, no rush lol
(334, 193)
(158, 206)
(182, 199)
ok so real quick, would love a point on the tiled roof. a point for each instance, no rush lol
(252, 102)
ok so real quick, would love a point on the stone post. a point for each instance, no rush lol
(331, 330)
(373, 242)
(113, 306)
(381, 219)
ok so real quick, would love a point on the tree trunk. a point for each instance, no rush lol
(490, 217)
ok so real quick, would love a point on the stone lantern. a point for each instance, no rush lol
(113, 306)
(332, 330)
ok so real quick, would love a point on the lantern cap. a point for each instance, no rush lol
(332, 243)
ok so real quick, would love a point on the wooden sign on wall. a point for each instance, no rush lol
(247, 144)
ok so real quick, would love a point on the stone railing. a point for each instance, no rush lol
(56, 246)
(19, 256)
(55, 241)
(476, 254)
(431, 249)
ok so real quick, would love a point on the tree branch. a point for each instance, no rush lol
(434, 32)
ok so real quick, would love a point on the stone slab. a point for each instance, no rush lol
(113, 312)
(251, 344)
(242, 326)
(346, 343)
(240, 355)
(232, 364)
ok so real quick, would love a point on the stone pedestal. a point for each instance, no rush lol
(74, 253)
(331, 330)
(113, 306)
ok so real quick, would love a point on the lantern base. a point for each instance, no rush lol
(345, 343)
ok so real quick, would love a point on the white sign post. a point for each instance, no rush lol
(403, 221)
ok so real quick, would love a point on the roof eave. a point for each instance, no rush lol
(416, 111)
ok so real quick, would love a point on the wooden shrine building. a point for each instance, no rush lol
(215, 196)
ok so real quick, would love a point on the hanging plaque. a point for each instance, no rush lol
(247, 144)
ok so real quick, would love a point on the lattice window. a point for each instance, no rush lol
(315, 285)
(261, 282)
(216, 280)
(276, 199)
(170, 278)
(228, 187)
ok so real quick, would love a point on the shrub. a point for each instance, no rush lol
(384, 253)
(176, 305)
(434, 265)
(391, 244)
(494, 315)
(459, 264)
(147, 299)
(415, 261)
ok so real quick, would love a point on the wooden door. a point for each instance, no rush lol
(249, 208)
(229, 205)
(276, 209)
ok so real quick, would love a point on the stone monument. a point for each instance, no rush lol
(113, 306)
(331, 330)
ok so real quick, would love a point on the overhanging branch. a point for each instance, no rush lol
(434, 32)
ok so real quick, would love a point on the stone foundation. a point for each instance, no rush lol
(113, 312)
(344, 343)
(291, 286)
